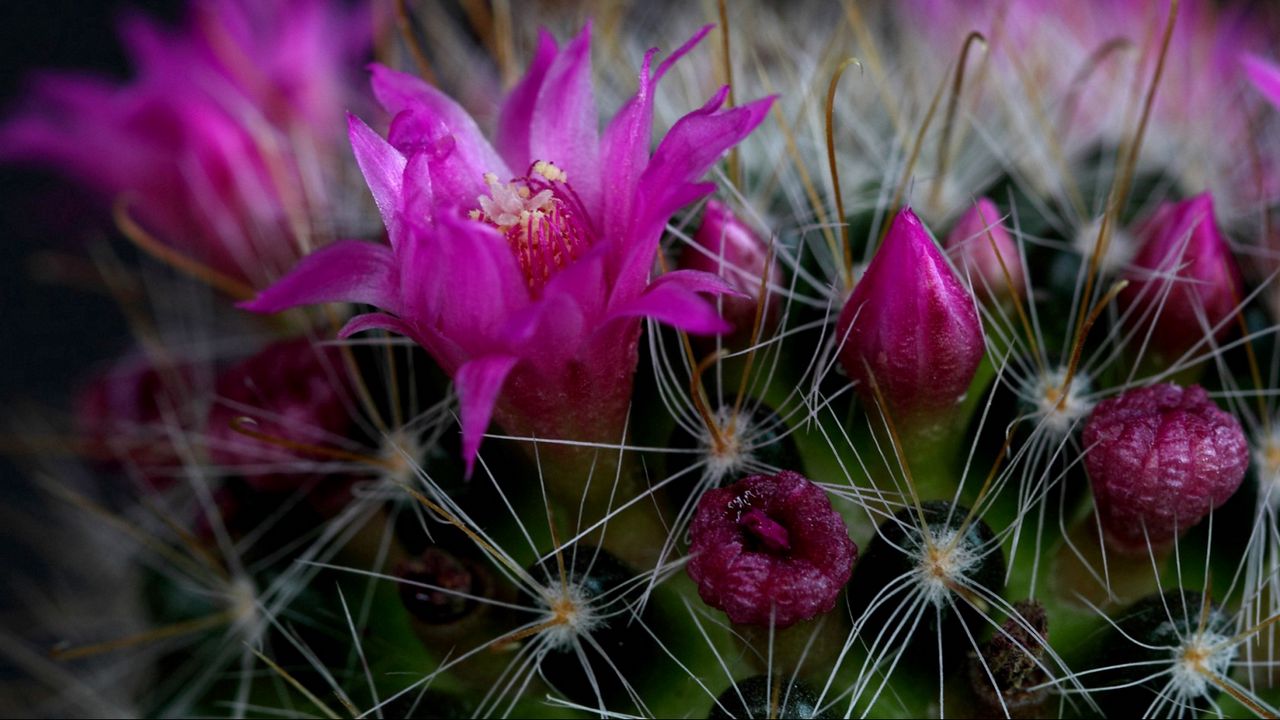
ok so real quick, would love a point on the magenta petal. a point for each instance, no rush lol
(346, 271)
(478, 383)
(516, 116)
(564, 129)
(692, 146)
(686, 153)
(698, 281)
(425, 117)
(1265, 76)
(625, 151)
(383, 170)
(460, 278)
(676, 302)
(375, 321)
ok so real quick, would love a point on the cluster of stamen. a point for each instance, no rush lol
(537, 215)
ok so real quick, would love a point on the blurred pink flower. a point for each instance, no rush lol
(524, 266)
(222, 142)
(982, 246)
(727, 247)
(1083, 61)
(1184, 281)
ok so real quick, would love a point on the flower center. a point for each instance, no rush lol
(764, 530)
(540, 217)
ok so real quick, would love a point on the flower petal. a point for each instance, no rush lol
(375, 321)
(1265, 76)
(564, 128)
(427, 119)
(346, 271)
(460, 278)
(691, 147)
(626, 141)
(383, 170)
(674, 299)
(478, 383)
(516, 116)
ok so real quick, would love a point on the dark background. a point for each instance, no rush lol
(49, 332)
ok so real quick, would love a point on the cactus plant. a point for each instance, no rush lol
(453, 396)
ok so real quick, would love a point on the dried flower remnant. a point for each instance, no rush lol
(1159, 459)
(125, 414)
(294, 394)
(770, 549)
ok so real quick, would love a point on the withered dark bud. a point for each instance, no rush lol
(1013, 660)
(435, 586)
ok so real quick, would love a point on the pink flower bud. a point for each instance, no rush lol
(1159, 459)
(1184, 279)
(770, 548)
(727, 247)
(980, 244)
(911, 324)
(292, 391)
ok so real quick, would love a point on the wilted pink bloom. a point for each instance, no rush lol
(725, 246)
(523, 266)
(911, 326)
(1184, 279)
(983, 247)
(296, 394)
(1159, 460)
(770, 549)
(231, 124)
(127, 416)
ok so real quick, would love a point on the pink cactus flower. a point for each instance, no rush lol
(1159, 460)
(231, 123)
(911, 325)
(982, 246)
(523, 266)
(1185, 280)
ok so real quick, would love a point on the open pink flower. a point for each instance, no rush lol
(523, 266)
(230, 123)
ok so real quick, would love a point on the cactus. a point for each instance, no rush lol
(906, 359)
